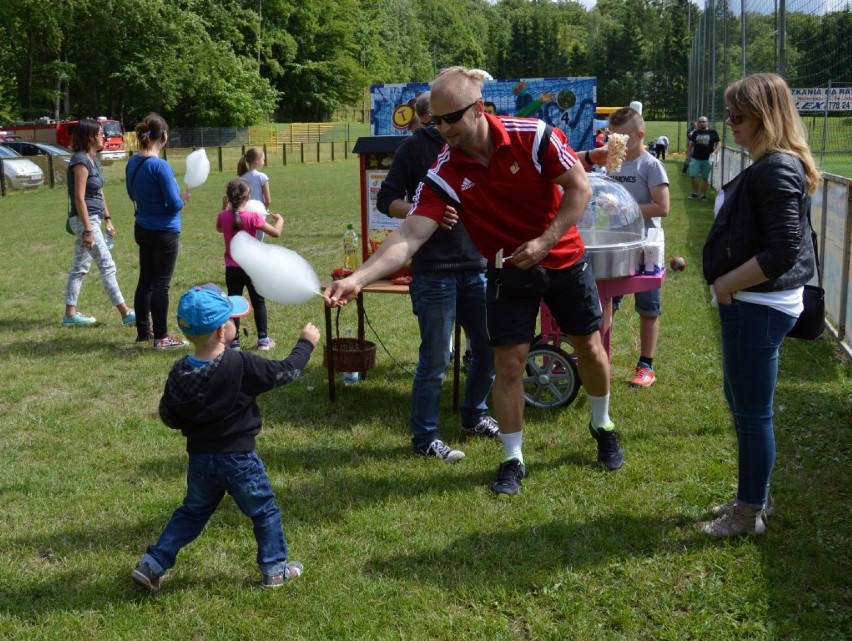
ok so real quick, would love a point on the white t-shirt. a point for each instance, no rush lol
(663, 140)
(257, 180)
(638, 177)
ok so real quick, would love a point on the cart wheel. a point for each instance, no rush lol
(562, 342)
(552, 379)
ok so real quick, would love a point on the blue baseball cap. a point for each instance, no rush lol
(205, 308)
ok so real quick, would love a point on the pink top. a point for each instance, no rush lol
(250, 222)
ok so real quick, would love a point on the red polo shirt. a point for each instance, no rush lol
(511, 201)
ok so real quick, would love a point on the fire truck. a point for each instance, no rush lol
(60, 132)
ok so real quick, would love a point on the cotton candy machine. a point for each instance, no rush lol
(612, 229)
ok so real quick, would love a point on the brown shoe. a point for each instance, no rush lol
(741, 520)
(721, 510)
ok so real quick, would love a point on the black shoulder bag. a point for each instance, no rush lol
(811, 323)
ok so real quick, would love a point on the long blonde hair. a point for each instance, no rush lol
(767, 98)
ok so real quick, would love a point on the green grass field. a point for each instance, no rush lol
(397, 547)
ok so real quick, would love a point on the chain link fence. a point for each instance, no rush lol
(809, 43)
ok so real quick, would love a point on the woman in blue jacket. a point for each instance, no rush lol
(757, 258)
(152, 186)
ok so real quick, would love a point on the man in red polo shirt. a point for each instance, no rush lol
(520, 189)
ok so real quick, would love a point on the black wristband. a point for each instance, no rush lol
(588, 159)
(87, 231)
(107, 217)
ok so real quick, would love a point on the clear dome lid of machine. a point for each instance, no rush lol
(613, 230)
(612, 218)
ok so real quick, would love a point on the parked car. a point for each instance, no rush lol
(61, 155)
(20, 172)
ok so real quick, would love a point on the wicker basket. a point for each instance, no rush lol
(350, 354)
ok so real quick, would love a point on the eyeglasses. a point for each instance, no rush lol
(454, 116)
(733, 118)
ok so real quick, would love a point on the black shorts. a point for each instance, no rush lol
(514, 299)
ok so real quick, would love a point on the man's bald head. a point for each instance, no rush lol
(457, 83)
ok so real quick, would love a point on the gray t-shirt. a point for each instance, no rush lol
(94, 182)
(638, 176)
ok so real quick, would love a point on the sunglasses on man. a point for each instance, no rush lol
(454, 116)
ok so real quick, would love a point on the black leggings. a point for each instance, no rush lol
(236, 279)
(158, 251)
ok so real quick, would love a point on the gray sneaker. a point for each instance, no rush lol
(146, 577)
(441, 450)
(292, 571)
(487, 427)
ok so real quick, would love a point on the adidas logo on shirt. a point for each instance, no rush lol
(467, 183)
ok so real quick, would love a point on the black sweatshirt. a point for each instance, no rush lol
(215, 405)
(446, 250)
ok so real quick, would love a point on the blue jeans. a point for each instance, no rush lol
(208, 477)
(751, 336)
(437, 298)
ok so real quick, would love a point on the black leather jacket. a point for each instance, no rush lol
(765, 215)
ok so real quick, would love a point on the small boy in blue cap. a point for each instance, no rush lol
(211, 397)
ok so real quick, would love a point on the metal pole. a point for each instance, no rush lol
(781, 65)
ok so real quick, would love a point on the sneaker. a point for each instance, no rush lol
(265, 344)
(721, 510)
(644, 376)
(741, 520)
(704, 198)
(130, 319)
(235, 344)
(78, 319)
(693, 196)
(169, 342)
(441, 450)
(610, 454)
(509, 476)
(292, 571)
(487, 427)
(146, 577)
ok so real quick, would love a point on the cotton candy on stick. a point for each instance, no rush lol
(278, 273)
(197, 168)
(259, 208)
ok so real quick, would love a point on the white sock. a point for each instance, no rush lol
(600, 411)
(512, 444)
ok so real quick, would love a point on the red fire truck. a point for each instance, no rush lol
(60, 133)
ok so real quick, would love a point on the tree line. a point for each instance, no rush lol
(241, 62)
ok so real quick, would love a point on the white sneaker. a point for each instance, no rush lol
(441, 450)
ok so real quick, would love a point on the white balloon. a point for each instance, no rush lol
(278, 273)
(197, 168)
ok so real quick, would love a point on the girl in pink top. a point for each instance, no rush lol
(228, 223)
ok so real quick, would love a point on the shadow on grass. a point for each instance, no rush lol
(528, 554)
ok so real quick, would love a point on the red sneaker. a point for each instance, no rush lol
(644, 377)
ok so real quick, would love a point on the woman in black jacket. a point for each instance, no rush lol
(757, 258)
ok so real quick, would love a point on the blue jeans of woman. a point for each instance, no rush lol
(751, 337)
(158, 252)
(437, 299)
(208, 478)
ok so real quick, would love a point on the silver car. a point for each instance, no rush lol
(19, 172)
(60, 156)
